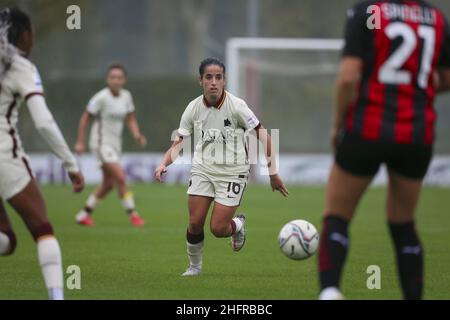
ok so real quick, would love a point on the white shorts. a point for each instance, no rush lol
(106, 154)
(227, 193)
(15, 175)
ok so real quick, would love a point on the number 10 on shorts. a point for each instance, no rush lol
(233, 189)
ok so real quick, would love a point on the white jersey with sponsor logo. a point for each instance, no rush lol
(110, 112)
(21, 81)
(219, 135)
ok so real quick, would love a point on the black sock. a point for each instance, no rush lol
(89, 210)
(194, 238)
(409, 254)
(332, 250)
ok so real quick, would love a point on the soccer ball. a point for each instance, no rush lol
(298, 239)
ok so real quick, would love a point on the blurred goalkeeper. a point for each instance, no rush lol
(396, 58)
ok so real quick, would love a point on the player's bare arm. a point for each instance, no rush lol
(443, 80)
(169, 157)
(133, 126)
(347, 86)
(80, 146)
(275, 181)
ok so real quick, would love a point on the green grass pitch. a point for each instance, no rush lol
(118, 261)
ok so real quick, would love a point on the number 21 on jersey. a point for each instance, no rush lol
(391, 71)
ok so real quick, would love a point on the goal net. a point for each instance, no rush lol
(289, 83)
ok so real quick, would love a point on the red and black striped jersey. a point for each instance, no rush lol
(402, 43)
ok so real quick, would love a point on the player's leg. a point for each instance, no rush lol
(84, 217)
(8, 240)
(116, 173)
(198, 210)
(356, 163)
(224, 222)
(402, 198)
(29, 204)
(405, 183)
(344, 190)
(201, 194)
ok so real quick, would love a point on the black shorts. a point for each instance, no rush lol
(363, 157)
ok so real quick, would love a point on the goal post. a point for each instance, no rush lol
(235, 45)
(289, 83)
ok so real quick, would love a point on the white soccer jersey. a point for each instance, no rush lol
(109, 112)
(21, 82)
(219, 135)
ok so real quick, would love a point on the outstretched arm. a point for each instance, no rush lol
(169, 157)
(49, 130)
(80, 146)
(133, 126)
(275, 180)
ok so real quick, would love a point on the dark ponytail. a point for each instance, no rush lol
(18, 22)
(13, 23)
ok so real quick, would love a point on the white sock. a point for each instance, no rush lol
(238, 223)
(56, 294)
(195, 252)
(4, 243)
(50, 261)
(91, 201)
(128, 202)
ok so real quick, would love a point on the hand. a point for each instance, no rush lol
(80, 148)
(277, 184)
(159, 173)
(77, 180)
(141, 140)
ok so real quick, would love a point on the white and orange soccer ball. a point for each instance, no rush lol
(298, 239)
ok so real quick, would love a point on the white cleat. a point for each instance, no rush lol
(331, 293)
(80, 216)
(192, 271)
(238, 239)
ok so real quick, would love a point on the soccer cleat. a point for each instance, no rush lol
(84, 219)
(192, 271)
(331, 293)
(136, 220)
(238, 239)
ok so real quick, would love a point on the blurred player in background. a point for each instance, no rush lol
(20, 82)
(110, 108)
(390, 73)
(218, 120)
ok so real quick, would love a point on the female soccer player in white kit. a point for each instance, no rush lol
(110, 108)
(219, 122)
(20, 82)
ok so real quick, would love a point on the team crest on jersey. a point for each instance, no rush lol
(226, 123)
(37, 79)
